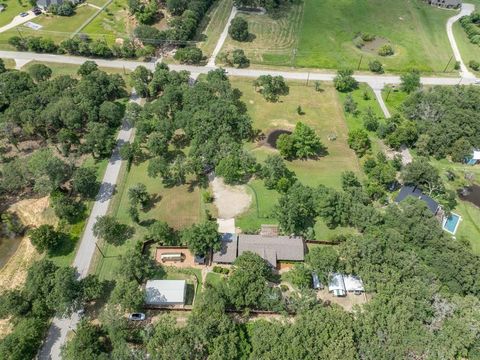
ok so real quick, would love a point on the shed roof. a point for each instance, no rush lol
(353, 283)
(414, 191)
(228, 252)
(336, 283)
(476, 154)
(165, 292)
(273, 249)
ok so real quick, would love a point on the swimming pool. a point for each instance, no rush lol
(451, 223)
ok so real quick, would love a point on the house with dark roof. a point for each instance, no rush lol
(449, 4)
(271, 248)
(44, 4)
(415, 192)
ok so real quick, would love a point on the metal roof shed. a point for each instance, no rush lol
(353, 284)
(165, 292)
(336, 285)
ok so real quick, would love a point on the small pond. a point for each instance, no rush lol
(274, 135)
(8, 246)
(471, 194)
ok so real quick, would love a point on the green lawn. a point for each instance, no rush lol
(58, 28)
(110, 23)
(323, 113)
(274, 38)
(212, 25)
(214, 279)
(320, 33)
(12, 9)
(393, 99)
(468, 50)
(59, 69)
(179, 206)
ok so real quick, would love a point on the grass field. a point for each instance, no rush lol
(57, 28)
(212, 25)
(274, 37)
(320, 33)
(468, 50)
(12, 9)
(179, 206)
(110, 23)
(323, 113)
(71, 70)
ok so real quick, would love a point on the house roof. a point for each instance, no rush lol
(353, 283)
(165, 292)
(476, 154)
(336, 282)
(273, 249)
(228, 252)
(414, 191)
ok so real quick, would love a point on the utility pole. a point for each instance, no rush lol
(293, 57)
(451, 57)
(360, 62)
(20, 33)
(101, 252)
(308, 77)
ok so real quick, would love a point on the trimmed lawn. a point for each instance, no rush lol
(58, 28)
(394, 99)
(214, 279)
(355, 121)
(110, 23)
(212, 25)
(12, 9)
(323, 113)
(274, 38)
(468, 50)
(415, 30)
(59, 69)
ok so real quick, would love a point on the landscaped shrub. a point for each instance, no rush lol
(283, 287)
(471, 26)
(207, 196)
(376, 66)
(367, 36)
(64, 9)
(475, 65)
(238, 29)
(386, 50)
(220, 270)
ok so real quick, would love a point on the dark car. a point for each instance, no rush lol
(37, 11)
(136, 316)
(23, 14)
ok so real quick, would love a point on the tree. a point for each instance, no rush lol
(296, 210)
(324, 260)
(386, 50)
(460, 150)
(99, 140)
(2, 66)
(139, 79)
(474, 65)
(300, 276)
(236, 167)
(138, 194)
(67, 208)
(45, 238)
(189, 55)
(40, 72)
(240, 59)
(376, 67)
(63, 9)
(110, 230)
(128, 294)
(276, 175)
(410, 81)
(85, 182)
(359, 141)
(25, 339)
(286, 146)
(421, 173)
(202, 238)
(344, 81)
(271, 87)
(176, 7)
(88, 343)
(87, 68)
(161, 233)
(307, 143)
(370, 120)
(92, 287)
(66, 294)
(238, 29)
(350, 105)
(350, 180)
(137, 266)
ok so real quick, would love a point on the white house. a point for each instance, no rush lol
(336, 285)
(165, 292)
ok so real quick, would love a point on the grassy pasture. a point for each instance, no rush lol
(111, 23)
(323, 113)
(320, 33)
(212, 25)
(12, 9)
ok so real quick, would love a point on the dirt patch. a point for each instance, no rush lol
(346, 302)
(5, 327)
(374, 45)
(230, 201)
(32, 212)
(273, 136)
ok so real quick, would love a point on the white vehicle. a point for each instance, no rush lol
(136, 316)
(172, 257)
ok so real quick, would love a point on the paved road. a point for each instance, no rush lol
(60, 326)
(18, 20)
(223, 37)
(467, 9)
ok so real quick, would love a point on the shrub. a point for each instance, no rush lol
(475, 65)
(376, 67)
(358, 42)
(240, 59)
(189, 55)
(456, 66)
(207, 197)
(386, 50)
(344, 81)
(283, 287)
(367, 36)
(220, 270)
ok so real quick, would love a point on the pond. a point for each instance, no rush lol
(471, 194)
(274, 135)
(8, 246)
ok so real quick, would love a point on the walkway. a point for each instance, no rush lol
(467, 9)
(223, 37)
(60, 327)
